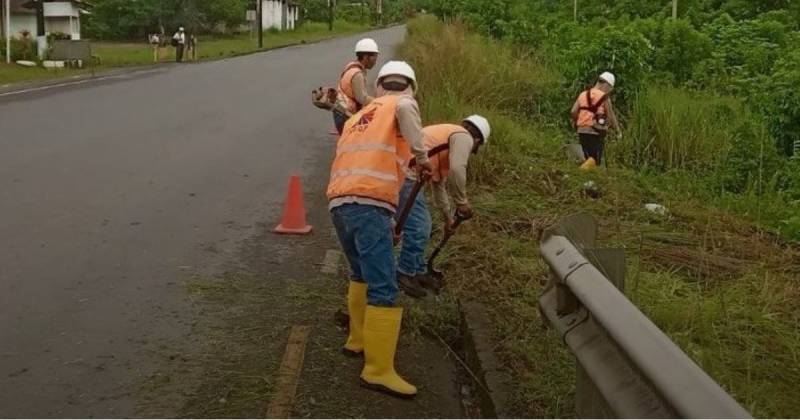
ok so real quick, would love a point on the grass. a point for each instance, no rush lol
(713, 276)
(120, 54)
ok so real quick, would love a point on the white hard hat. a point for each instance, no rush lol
(482, 124)
(609, 78)
(180, 29)
(398, 68)
(367, 45)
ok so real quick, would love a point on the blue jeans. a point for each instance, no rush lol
(366, 237)
(339, 120)
(416, 232)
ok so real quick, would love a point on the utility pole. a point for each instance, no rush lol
(674, 9)
(41, 37)
(575, 11)
(260, 23)
(8, 31)
(379, 9)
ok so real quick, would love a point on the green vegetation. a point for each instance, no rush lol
(119, 54)
(718, 273)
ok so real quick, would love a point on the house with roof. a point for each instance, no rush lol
(60, 16)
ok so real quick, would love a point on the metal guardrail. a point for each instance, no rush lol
(627, 367)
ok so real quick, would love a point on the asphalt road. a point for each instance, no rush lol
(112, 189)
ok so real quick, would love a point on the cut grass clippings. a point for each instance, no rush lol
(721, 286)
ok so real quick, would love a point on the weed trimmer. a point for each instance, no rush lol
(432, 271)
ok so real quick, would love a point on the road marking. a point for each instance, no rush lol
(330, 264)
(77, 82)
(280, 407)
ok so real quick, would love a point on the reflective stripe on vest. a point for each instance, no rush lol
(346, 85)
(370, 154)
(586, 117)
(439, 135)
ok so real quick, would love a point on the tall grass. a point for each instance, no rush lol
(744, 329)
(491, 75)
(674, 129)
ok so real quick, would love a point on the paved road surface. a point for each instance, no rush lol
(111, 189)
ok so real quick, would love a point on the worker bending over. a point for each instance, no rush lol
(450, 147)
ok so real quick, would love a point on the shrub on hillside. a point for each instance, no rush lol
(622, 51)
(675, 129)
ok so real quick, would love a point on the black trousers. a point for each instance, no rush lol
(179, 53)
(592, 145)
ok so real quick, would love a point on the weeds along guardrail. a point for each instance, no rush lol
(627, 367)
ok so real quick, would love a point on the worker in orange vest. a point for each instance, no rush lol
(363, 193)
(450, 147)
(352, 89)
(593, 116)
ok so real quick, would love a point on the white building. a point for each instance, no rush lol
(59, 16)
(279, 14)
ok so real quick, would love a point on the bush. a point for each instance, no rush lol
(678, 49)
(620, 50)
(781, 97)
(21, 49)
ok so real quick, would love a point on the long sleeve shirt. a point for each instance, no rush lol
(359, 83)
(461, 145)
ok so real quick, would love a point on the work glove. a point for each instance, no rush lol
(464, 212)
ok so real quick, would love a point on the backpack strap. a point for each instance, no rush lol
(593, 107)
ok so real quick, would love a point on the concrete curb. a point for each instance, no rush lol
(494, 389)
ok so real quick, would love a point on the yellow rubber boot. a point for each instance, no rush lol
(381, 332)
(356, 305)
(589, 165)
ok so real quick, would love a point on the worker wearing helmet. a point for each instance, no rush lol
(450, 147)
(593, 116)
(363, 193)
(352, 87)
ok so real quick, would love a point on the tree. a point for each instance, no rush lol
(127, 19)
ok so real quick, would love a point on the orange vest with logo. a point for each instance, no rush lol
(370, 154)
(586, 118)
(437, 140)
(346, 85)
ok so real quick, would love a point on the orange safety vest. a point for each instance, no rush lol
(588, 111)
(346, 86)
(437, 141)
(370, 154)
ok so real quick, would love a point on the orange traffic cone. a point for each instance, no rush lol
(294, 212)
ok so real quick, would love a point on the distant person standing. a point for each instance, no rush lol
(179, 42)
(593, 116)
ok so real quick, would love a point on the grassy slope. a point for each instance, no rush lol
(118, 54)
(722, 288)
